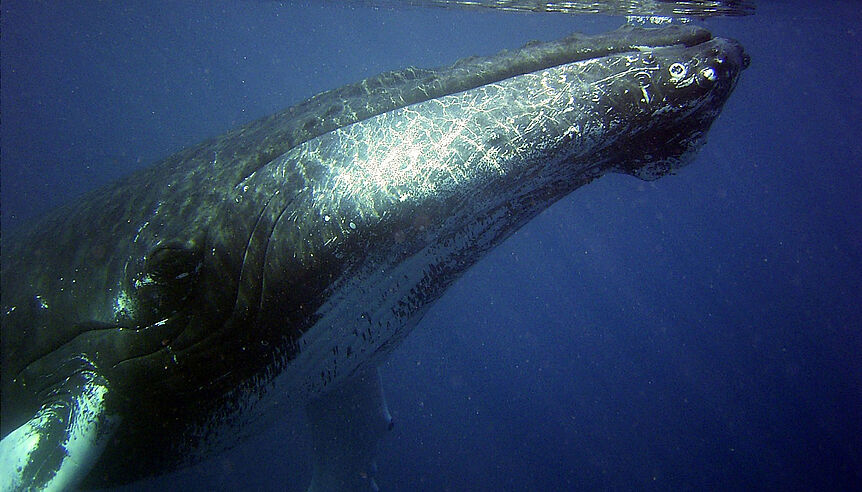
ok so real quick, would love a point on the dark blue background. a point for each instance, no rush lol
(700, 331)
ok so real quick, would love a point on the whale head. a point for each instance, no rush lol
(682, 90)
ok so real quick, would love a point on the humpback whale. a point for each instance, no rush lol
(150, 323)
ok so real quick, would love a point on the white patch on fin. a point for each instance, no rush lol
(56, 448)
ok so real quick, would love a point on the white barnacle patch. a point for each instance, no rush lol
(679, 75)
(124, 306)
(677, 71)
(644, 82)
(42, 303)
(646, 97)
(144, 281)
(573, 131)
(708, 73)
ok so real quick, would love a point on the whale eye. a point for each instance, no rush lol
(677, 70)
(165, 282)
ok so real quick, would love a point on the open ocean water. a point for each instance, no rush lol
(702, 331)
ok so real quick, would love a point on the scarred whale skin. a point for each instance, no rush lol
(156, 319)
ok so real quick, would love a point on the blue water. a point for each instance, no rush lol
(703, 331)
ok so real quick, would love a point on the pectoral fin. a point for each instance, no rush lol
(58, 446)
(346, 425)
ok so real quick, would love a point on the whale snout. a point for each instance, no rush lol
(737, 54)
(733, 53)
(721, 65)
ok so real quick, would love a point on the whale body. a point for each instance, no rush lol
(151, 323)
